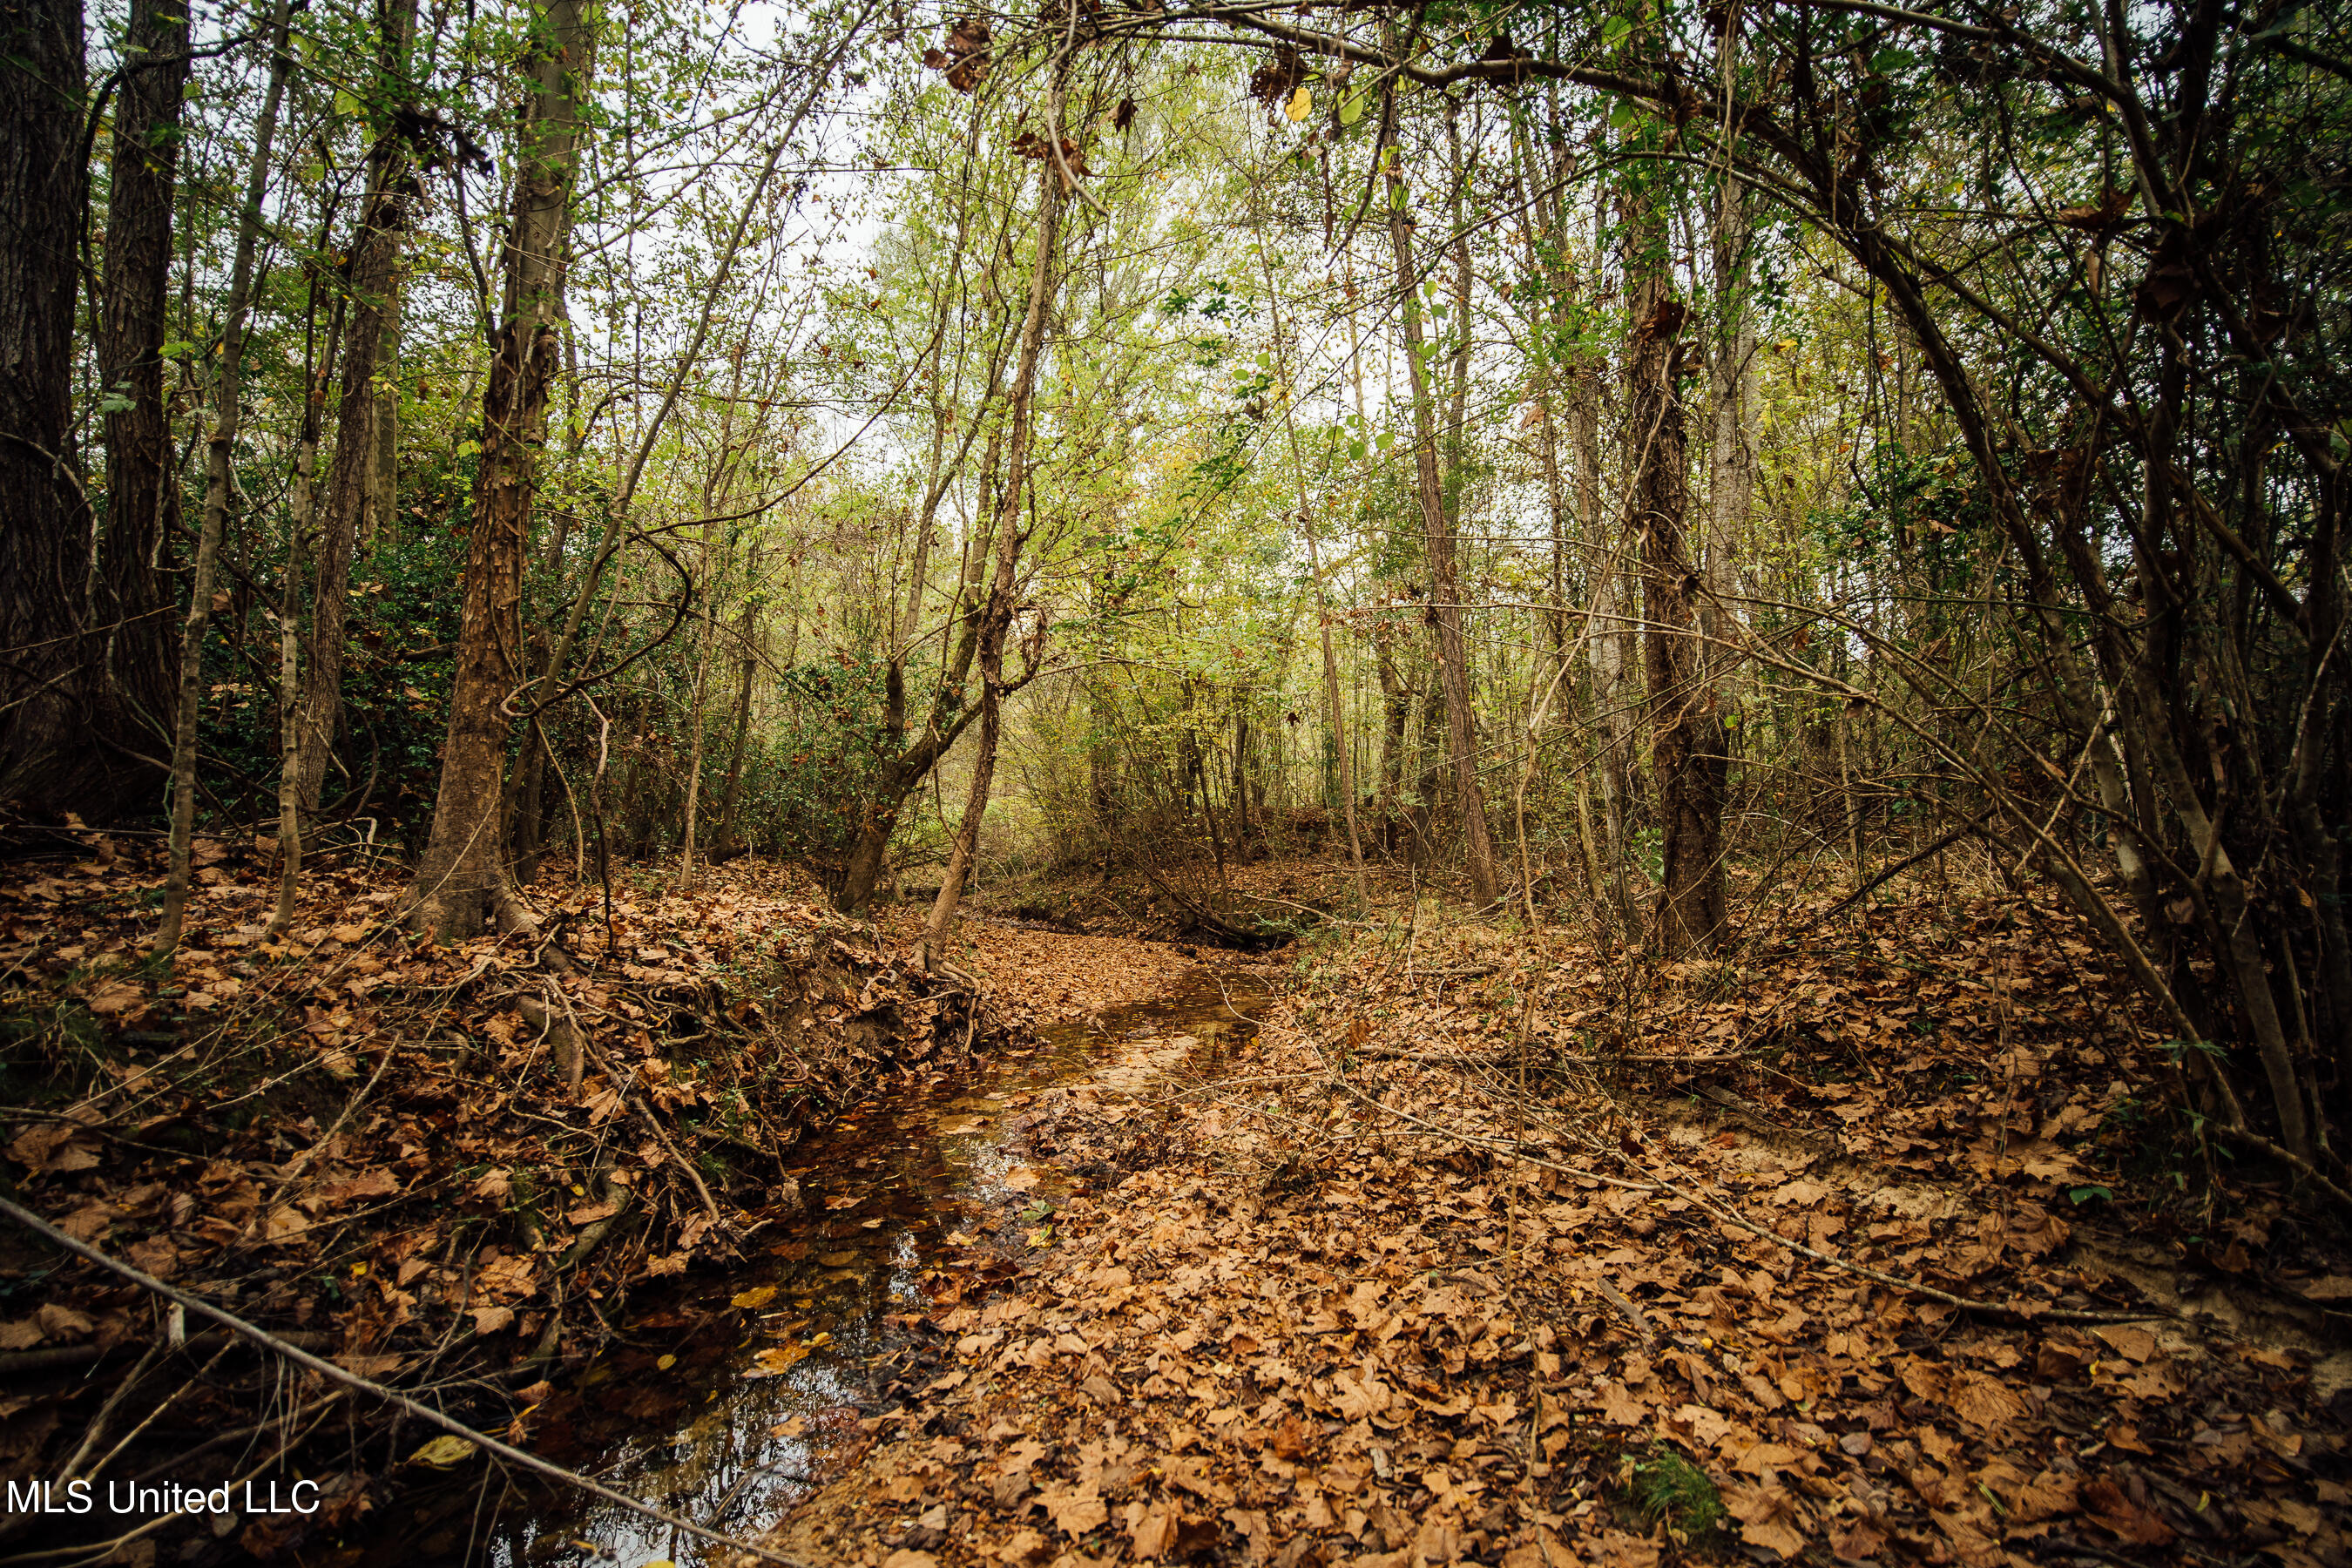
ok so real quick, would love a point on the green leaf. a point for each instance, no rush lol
(2084, 1194)
(1615, 31)
(1350, 110)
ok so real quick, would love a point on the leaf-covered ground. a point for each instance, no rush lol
(1872, 1246)
(444, 1166)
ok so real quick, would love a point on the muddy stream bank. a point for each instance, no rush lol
(730, 1398)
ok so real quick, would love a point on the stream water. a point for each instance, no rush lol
(732, 1398)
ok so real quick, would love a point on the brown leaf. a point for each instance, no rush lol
(1985, 1402)
(1358, 1399)
(376, 1184)
(2104, 1502)
(1152, 1530)
(2046, 1496)
(1075, 1509)
(2103, 214)
(1026, 1546)
(1767, 1517)
(111, 998)
(1858, 1543)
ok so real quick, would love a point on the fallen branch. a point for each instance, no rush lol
(626, 1088)
(2245, 1134)
(267, 1340)
(14, 1363)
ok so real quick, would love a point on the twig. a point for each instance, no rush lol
(335, 1374)
(646, 1113)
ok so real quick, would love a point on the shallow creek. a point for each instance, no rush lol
(732, 1397)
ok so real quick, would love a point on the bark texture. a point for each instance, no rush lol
(461, 879)
(46, 756)
(355, 478)
(1686, 742)
(142, 498)
(1444, 576)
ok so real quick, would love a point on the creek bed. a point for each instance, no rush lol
(732, 1397)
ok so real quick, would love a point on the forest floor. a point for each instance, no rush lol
(1870, 1243)
(441, 1166)
(1873, 1242)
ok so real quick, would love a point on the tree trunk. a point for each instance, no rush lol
(911, 762)
(461, 876)
(996, 613)
(45, 749)
(142, 492)
(1396, 714)
(379, 522)
(1731, 457)
(967, 839)
(352, 481)
(219, 457)
(1444, 589)
(1686, 733)
(300, 508)
(722, 850)
(696, 699)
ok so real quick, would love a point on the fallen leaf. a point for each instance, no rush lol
(443, 1452)
(1075, 1509)
(1767, 1518)
(1152, 1530)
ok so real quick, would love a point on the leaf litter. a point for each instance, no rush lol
(1493, 1248)
(444, 1166)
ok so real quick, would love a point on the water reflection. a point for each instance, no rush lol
(731, 1399)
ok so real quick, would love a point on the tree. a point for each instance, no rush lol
(994, 614)
(220, 483)
(46, 755)
(1438, 523)
(1685, 730)
(143, 501)
(356, 478)
(461, 878)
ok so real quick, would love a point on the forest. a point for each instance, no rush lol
(1356, 782)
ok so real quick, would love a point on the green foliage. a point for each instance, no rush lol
(813, 769)
(1671, 1490)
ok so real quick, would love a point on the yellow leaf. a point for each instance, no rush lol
(665, 1363)
(777, 1361)
(442, 1452)
(757, 1296)
(1301, 104)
